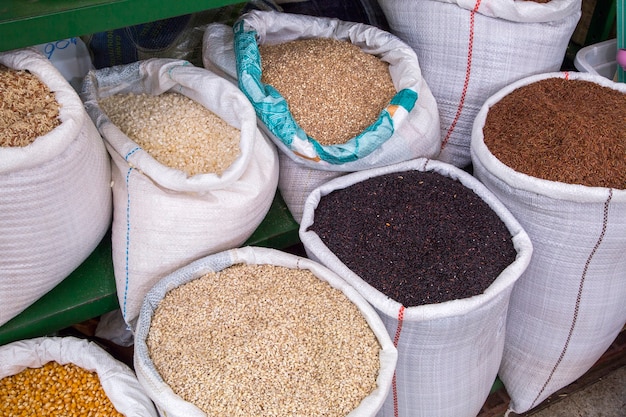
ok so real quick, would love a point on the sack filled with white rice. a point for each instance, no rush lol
(192, 173)
(266, 333)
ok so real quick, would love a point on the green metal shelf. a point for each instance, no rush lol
(33, 22)
(90, 290)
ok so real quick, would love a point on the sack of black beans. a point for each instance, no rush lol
(560, 169)
(55, 204)
(469, 49)
(334, 96)
(68, 376)
(437, 255)
(192, 173)
(266, 333)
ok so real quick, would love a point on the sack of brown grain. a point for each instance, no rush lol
(70, 377)
(469, 49)
(55, 195)
(560, 169)
(334, 96)
(266, 333)
(192, 174)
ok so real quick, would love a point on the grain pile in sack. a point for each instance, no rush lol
(56, 197)
(165, 217)
(267, 333)
(449, 331)
(469, 49)
(87, 380)
(568, 306)
(407, 128)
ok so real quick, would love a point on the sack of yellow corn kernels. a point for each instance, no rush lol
(55, 195)
(334, 96)
(266, 333)
(469, 49)
(192, 174)
(69, 377)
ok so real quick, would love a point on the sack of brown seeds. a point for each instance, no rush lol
(334, 96)
(55, 204)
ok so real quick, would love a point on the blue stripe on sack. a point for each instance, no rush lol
(126, 261)
(126, 268)
(131, 152)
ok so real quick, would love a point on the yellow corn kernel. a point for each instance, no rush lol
(54, 390)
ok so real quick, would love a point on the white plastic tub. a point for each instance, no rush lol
(599, 58)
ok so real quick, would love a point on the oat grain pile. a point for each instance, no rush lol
(28, 109)
(264, 340)
(175, 130)
(570, 131)
(333, 88)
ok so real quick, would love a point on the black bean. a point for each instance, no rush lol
(418, 237)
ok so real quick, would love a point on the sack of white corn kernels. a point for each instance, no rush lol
(568, 307)
(469, 49)
(266, 333)
(164, 217)
(403, 126)
(88, 380)
(448, 352)
(55, 204)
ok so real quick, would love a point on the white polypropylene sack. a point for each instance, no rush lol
(569, 305)
(164, 219)
(415, 133)
(448, 353)
(117, 379)
(469, 49)
(55, 195)
(170, 404)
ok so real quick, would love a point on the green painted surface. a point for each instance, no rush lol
(87, 292)
(27, 23)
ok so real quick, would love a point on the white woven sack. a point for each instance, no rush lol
(117, 379)
(415, 133)
(448, 353)
(164, 219)
(55, 195)
(171, 405)
(568, 307)
(469, 49)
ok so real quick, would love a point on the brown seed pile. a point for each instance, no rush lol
(264, 340)
(55, 390)
(28, 109)
(570, 131)
(333, 88)
(175, 130)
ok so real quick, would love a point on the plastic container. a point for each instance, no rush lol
(71, 57)
(598, 58)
